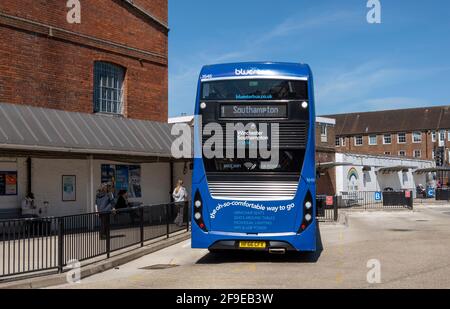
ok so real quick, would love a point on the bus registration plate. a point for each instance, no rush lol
(252, 244)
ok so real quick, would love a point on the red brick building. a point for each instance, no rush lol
(325, 154)
(114, 61)
(414, 133)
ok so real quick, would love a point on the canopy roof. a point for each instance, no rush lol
(29, 128)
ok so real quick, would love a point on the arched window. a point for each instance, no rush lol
(108, 88)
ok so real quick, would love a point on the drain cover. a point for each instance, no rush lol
(159, 266)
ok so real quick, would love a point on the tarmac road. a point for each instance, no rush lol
(413, 249)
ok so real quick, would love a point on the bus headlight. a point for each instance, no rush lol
(308, 205)
(203, 105)
(198, 204)
(308, 217)
(305, 104)
(198, 216)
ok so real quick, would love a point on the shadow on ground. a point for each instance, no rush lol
(261, 257)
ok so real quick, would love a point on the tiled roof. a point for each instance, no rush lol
(34, 128)
(402, 120)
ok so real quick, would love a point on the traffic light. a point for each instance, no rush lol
(440, 156)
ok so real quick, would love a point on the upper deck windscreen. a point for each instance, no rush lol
(255, 89)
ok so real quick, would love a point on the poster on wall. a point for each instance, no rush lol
(69, 188)
(123, 177)
(108, 174)
(8, 183)
(134, 181)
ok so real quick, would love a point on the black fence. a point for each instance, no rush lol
(45, 244)
(327, 208)
(442, 194)
(375, 200)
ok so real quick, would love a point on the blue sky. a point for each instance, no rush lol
(403, 62)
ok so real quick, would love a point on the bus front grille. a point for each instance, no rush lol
(253, 191)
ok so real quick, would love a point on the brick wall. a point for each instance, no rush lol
(326, 183)
(54, 68)
(331, 136)
(426, 146)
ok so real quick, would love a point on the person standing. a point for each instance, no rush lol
(104, 203)
(122, 200)
(28, 207)
(180, 198)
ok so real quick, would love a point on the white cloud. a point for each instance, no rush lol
(298, 23)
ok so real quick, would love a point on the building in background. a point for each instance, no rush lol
(415, 133)
(113, 62)
(325, 154)
(420, 133)
(376, 173)
(82, 104)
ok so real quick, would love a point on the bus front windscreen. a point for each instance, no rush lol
(255, 89)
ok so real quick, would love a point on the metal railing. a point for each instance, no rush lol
(46, 244)
(375, 200)
(325, 211)
(442, 194)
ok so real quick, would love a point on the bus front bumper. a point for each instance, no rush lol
(306, 241)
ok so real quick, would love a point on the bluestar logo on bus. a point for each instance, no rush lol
(250, 72)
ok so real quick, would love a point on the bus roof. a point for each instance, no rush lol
(255, 70)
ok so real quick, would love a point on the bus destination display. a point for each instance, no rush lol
(253, 111)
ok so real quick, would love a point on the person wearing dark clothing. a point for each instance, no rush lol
(122, 204)
(122, 200)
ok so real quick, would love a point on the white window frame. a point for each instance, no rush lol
(384, 139)
(448, 133)
(433, 154)
(388, 153)
(323, 133)
(362, 140)
(376, 140)
(337, 142)
(109, 88)
(442, 134)
(433, 136)
(400, 153)
(343, 141)
(398, 138)
(420, 153)
(414, 137)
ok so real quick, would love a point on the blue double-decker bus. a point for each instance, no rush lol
(243, 198)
